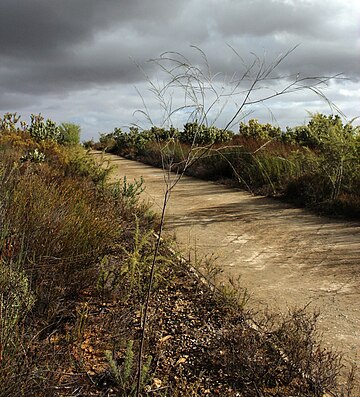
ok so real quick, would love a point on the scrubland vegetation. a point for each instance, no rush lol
(316, 165)
(75, 259)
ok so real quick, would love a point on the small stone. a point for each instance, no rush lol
(157, 383)
(165, 338)
(181, 360)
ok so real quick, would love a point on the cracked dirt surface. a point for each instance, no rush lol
(285, 256)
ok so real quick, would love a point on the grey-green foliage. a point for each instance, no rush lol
(129, 193)
(331, 156)
(42, 130)
(135, 140)
(340, 159)
(16, 299)
(70, 133)
(332, 160)
(338, 146)
(125, 373)
(9, 122)
(320, 131)
(256, 130)
(35, 156)
(200, 134)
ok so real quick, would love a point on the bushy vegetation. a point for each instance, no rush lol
(57, 219)
(134, 142)
(70, 133)
(75, 257)
(317, 165)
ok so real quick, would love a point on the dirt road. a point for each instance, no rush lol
(285, 256)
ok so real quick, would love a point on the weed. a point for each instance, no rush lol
(106, 276)
(232, 295)
(128, 192)
(82, 313)
(137, 263)
(16, 302)
(208, 268)
(124, 374)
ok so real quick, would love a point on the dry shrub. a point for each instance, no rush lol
(57, 220)
(16, 302)
(282, 356)
(54, 216)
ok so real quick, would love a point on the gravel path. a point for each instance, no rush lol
(285, 256)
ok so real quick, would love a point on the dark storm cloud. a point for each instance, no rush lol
(72, 73)
(39, 29)
(42, 28)
(61, 45)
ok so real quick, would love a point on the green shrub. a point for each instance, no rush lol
(70, 133)
(259, 131)
(331, 170)
(129, 193)
(200, 134)
(79, 164)
(320, 131)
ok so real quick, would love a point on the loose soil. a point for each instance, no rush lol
(285, 257)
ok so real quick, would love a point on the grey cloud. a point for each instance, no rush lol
(75, 74)
(262, 18)
(52, 48)
(52, 45)
(41, 28)
(327, 37)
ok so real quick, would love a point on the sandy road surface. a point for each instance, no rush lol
(286, 256)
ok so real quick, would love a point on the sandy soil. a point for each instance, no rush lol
(285, 256)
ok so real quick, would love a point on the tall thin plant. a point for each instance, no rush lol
(205, 97)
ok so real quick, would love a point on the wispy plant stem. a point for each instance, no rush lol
(148, 295)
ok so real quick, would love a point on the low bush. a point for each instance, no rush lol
(287, 360)
(70, 133)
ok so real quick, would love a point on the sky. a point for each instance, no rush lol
(93, 62)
